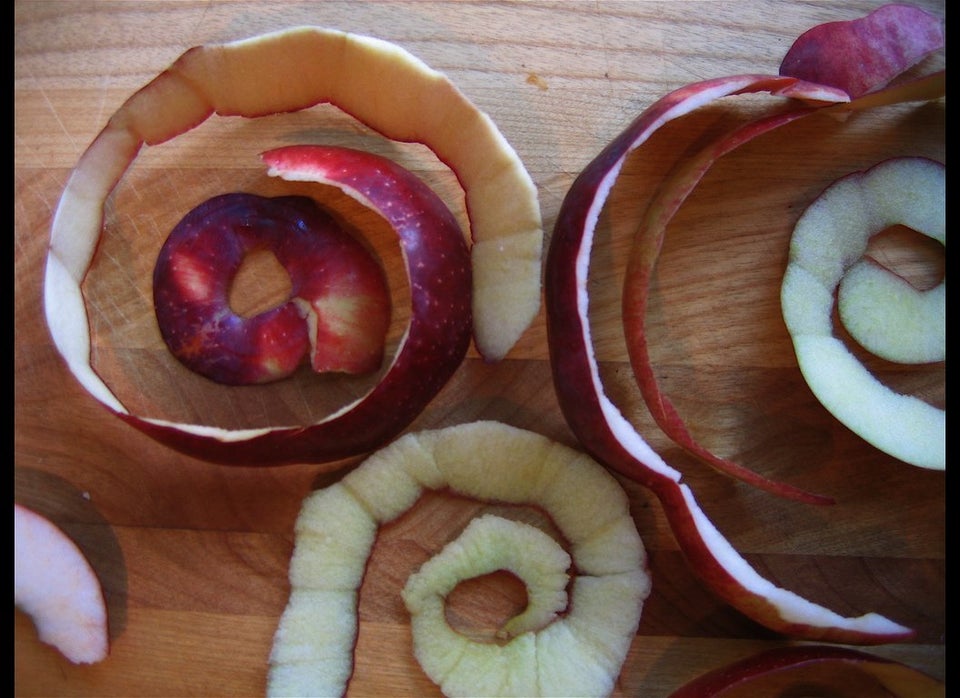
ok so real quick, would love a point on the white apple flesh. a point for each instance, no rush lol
(578, 652)
(55, 585)
(829, 239)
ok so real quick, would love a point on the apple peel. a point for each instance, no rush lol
(829, 238)
(375, 81)
(899, 679)
(863, 54)
(575, 367)
(579, 649)
(648, 239)
(381, 85)
(599, 424)
(337, 310)
(431, 350)
(56, 586)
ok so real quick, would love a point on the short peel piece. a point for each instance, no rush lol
(830, 238)
(578, 653)
(337, 312)
(55, 585)
(866, 53)
(381, 85)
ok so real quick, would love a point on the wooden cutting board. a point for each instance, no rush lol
(193, 557)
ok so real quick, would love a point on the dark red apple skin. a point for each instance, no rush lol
(860, 55)
(787, 658)
(571, 363)
(647, 243)
(201, 257)
(438, 265)
(565, 331)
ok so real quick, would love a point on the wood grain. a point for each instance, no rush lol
(193, 557)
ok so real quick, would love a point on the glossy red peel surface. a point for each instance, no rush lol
(439, 333)
(200, 259)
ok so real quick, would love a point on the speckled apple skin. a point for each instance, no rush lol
(326, 265)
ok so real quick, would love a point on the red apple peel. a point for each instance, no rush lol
(900, 680)
(598, 423)
(56, 586)
(643, 256)
(863, 54)
(433, 347)
(648, 240)
(382, 86)
(569, 254)
(338, 309)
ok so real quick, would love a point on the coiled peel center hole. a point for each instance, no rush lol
(261, 283)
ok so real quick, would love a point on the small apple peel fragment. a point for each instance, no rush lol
(829, 239)
(558, 646)
(900, 680)
(56, 586)
(863, 54)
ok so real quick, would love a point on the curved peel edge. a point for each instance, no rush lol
(569, 257)
(647, 242)
(795, 615)
(863, 54)
(610, 438)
